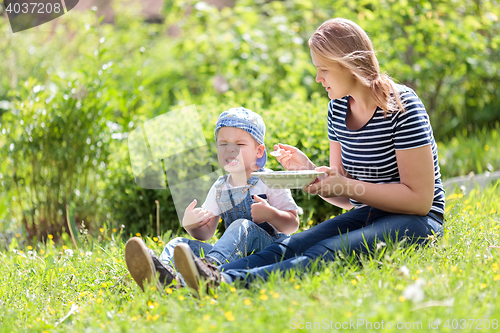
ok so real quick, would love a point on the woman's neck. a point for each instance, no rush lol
(361, 101)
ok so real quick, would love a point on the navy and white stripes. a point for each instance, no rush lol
(368, 154)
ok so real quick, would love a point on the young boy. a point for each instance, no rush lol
(254, 215)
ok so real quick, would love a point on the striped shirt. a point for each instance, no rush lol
(369, 153)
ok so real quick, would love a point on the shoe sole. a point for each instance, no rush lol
(139, 262)
(184, 262)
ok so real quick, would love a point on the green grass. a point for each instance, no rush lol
(459, 275)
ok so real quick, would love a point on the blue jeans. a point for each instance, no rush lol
(240, 239)
(347, 232)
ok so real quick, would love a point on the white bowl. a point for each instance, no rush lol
(287, 179)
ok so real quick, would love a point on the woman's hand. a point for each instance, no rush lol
(331, 185)
(292, 158)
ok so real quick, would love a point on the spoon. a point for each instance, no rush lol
(276, 153)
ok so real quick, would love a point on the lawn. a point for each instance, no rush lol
(451, 285)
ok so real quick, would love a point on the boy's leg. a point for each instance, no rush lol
(240, 239)
(198, 247)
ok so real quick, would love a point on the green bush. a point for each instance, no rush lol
(101, 81)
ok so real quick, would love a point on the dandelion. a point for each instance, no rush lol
(247, 302)
(402, 298)
(42, 251)
(155, 239)
(297, 286)
(50, 236)
(65, 247)
(430, 268)
(114, 229)
(276, 295)
(134, 318)
(169, 290)
(98, 259)
(101, 229)
(415, 292)
(232, 289)
(494, 267)
(263, 297)
(229, 315)
(497, 277)
(138, 234)
(32, 255)
(29, 247)
(483, 285)
(181, 298)
(150, 305)
(453, 269)
(354, 282)
(206, 317)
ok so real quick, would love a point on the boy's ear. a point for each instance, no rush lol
(260, 151)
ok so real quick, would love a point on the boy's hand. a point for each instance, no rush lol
(261, 210)
(195, 217)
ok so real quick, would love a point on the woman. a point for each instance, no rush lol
(383, 162)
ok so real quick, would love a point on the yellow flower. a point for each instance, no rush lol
(155, 239)
(99, 300)
(263, 297)
(483, 285)
(486, 147)
(98, 259)
(297, 286)
(42, 251)
(181, 298)
(348, 314)
(65, 247)
(101, 229)
(134, 318)
(114, 230)
(150, 305)
(402, 298)
(497, 277)
(206, 317)
(276, 295)
(494, 267)
(429, 268)
(354, 282)
(247, 301)
(29, 247)
(453, 268)
(233, 289)
(169, 290)
(50, 236)
(263, 291)
(138, 234)
(229, 316)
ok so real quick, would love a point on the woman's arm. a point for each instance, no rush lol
(336, 164)
(413, 195)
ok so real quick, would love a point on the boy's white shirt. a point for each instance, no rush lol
(279, 198)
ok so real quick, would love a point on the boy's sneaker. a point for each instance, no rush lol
(194, 269)
(143, 265)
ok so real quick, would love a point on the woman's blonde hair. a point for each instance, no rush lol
(346, 43)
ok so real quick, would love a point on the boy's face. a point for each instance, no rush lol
(237, 151)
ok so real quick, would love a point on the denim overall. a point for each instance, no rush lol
(236, 203)
(242, 236)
